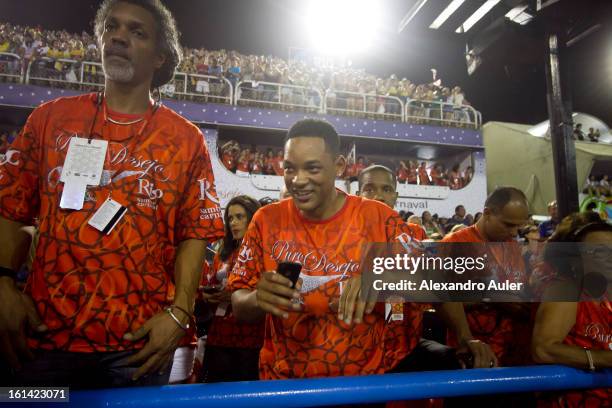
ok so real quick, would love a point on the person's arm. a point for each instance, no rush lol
(554, 320)
(14, 244)
(163, 332)
(187, 272)
(244, 306)
(453, 315)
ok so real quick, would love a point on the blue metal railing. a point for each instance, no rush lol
(348, 390)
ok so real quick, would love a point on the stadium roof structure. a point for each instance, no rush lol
(531, 168)
(523, 33)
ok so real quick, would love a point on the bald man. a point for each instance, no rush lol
(378, 182)
(502, 325)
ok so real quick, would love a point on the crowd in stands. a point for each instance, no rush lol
(113, 301)
(597, 186)
(6, 138)
(350, 91)
(592, 136)
(244, 161)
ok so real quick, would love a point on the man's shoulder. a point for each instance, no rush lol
(273, 211)
(170, 117)
(71, 104)
(468, 234)
(369, 206)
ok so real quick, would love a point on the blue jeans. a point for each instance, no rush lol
(83, 371)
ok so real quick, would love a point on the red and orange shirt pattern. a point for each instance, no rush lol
(593, 330)
(91, 288)
(314, 343)
(508, 337)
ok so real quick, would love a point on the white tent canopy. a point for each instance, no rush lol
(516, 157)
(588, 121)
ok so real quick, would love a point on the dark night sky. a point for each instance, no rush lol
(271, 26)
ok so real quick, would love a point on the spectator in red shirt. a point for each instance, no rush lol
(412, 172)
(232, 347)
(229, 153)
(243, 166)
(467, 175)
(109, 306)
(503, 325)
(269, 162)
(360, 165)
(437, 175)
(455, 180)
(423, 176)
(577, 334)
(402, 172)
(312, 338)
(257, 166)
(278, 163)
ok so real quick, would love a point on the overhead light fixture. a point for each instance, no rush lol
(446, 13)
(478, 14)
(519, 15)
(410, 15)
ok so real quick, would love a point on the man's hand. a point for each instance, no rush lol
(17, 312)
(353, 304)
(164, 335)
(222, 296)
(274, 294)
(480, 354)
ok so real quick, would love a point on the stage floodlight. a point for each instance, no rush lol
(342, 26)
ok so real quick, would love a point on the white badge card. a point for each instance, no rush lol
(83, 167)
(222, 309)
(107, 216)
(73, 195)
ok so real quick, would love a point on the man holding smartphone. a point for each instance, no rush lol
(320, 327)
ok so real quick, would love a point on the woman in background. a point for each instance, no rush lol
(232, 348)
(577, 334)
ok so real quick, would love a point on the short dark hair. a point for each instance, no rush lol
(166, 31)
(316, 128)
(458, 207)
(502, 196)
(376, 167)
(250, 206)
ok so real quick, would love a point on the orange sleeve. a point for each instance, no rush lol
(19, 173)
(250, 262)
(395, 227)
(199, 214)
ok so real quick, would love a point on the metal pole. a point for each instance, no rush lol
(560, 125)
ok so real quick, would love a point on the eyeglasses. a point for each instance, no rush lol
(597, 252)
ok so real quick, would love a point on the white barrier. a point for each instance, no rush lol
(10, 66)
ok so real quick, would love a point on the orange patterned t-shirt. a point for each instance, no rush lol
(508, 336)
(91, 288)
(314, 343)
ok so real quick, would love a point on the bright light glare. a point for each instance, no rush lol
(342, 26)
(446, 13)
(478, 14)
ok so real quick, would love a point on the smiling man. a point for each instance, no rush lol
(320, 328)
(109, 297)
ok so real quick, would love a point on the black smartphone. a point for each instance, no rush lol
(290, 270)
